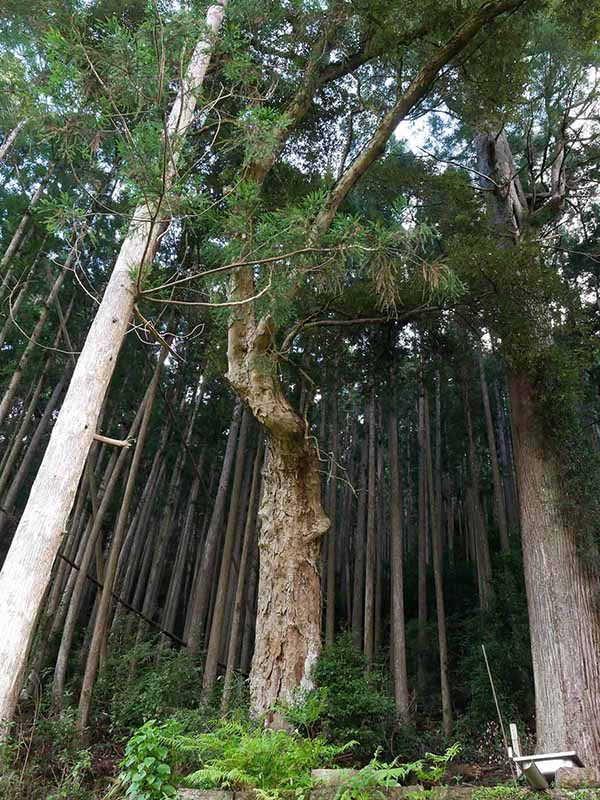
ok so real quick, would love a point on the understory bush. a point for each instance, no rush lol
(358, 705)
(239, 756)
(137, 687)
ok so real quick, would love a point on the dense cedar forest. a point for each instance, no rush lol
(299, 388)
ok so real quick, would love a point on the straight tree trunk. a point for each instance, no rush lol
(398, 639)
(240, 594)
(26, 571)
(562, 591)
(17, 238)
(564, 621)
(358, 591)
(331, 535)
(422, 546)
(371, 544)
(482, 550)
(499, 506)
(113, 470)
(22, 473)
(216, 629)
(102, 612)
(436, 546)
(176, 581)
(202, 583)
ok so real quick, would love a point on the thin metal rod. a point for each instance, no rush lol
(505, 740)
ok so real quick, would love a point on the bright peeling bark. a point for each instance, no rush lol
(27, 568)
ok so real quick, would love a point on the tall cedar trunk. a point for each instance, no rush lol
(398, 644)
(18, 440)
(505, 452)
(51, 300)
(15, 304)
(434, 485)
(331, 536)
(17, 482)
(139, 525)
(103, 605)
(480, 539)
(563, 614)
(177, 575)
(381, 539)
(240, 593)
(358, 589)
(216, 632)
(499, 504)
(60, 669)
(26, 571)
(371, 543)
(202, 583)
(422, 547)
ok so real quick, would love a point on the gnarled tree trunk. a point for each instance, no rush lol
(288, 621)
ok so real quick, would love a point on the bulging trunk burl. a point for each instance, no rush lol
(288, 620)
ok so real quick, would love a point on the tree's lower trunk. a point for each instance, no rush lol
(499, 504)
(358, 588)
(562, 595)
(332, 509)
(422, 547)
(396, 532)
(371, 544)
(202, 583)
(244, 561)
(216, 631)
(288, 623)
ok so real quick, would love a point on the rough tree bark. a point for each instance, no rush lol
(563, 614)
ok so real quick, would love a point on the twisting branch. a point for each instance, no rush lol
(236, 265)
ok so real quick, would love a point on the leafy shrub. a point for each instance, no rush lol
(357, 705)
(148, 763)
(233, 755)
(236, 756)
(305, 709)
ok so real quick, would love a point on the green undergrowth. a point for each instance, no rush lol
(239, 755)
